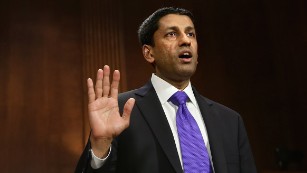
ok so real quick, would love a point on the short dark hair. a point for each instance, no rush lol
(151, 24)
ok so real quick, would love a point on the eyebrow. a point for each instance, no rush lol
(188, 28)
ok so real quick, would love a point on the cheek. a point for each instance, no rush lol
(165, 54)
(159, 50)
(195, 45)
(195, 48)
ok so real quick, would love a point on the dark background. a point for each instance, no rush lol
(252, 58)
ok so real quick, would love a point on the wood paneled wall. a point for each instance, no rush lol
(41, 91)
(102, 42)
(48, 50)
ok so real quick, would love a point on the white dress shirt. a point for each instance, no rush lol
(164, 91)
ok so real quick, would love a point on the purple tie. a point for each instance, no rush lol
(194, 153)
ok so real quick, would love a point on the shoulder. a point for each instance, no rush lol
(217, 110)
(226, 118)
(136, 93)
(123, 97)
(220, 107)
(212, 105)
(127, 94)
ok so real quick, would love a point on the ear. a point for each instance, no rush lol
(147, 53)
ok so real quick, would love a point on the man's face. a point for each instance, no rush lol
(175, 48)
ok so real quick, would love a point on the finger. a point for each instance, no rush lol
(98, 86)
(127, 111)
(106, 81)
(115, 84)
(90, 90)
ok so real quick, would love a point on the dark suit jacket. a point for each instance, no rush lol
(148, 146)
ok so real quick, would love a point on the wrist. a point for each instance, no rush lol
(100, 146)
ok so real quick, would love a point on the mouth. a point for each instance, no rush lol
(185, 55)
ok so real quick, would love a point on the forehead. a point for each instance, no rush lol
(175, 20)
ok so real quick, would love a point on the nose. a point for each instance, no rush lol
(185, 40)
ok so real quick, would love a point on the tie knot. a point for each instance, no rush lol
(179, 98)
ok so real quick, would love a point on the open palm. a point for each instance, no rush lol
(104, 117)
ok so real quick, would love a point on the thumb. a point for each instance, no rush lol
(127, 110)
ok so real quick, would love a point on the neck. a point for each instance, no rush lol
(179, 84)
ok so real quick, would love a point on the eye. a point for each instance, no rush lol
(191, 34)
(171, 34)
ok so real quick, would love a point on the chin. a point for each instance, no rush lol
(188, 70)
(187, 74)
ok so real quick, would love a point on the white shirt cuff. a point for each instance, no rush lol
(97, 162)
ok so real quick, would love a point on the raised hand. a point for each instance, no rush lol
(104, 117)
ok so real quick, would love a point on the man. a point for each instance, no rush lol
(145, 130)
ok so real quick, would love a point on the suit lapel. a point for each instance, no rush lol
(148, 103)
(214, 133)
(150, 107)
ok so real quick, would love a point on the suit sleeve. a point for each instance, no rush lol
(84, 164)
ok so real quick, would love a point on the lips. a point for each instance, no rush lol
(185, 54)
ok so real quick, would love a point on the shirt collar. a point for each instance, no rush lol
(165, 90)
